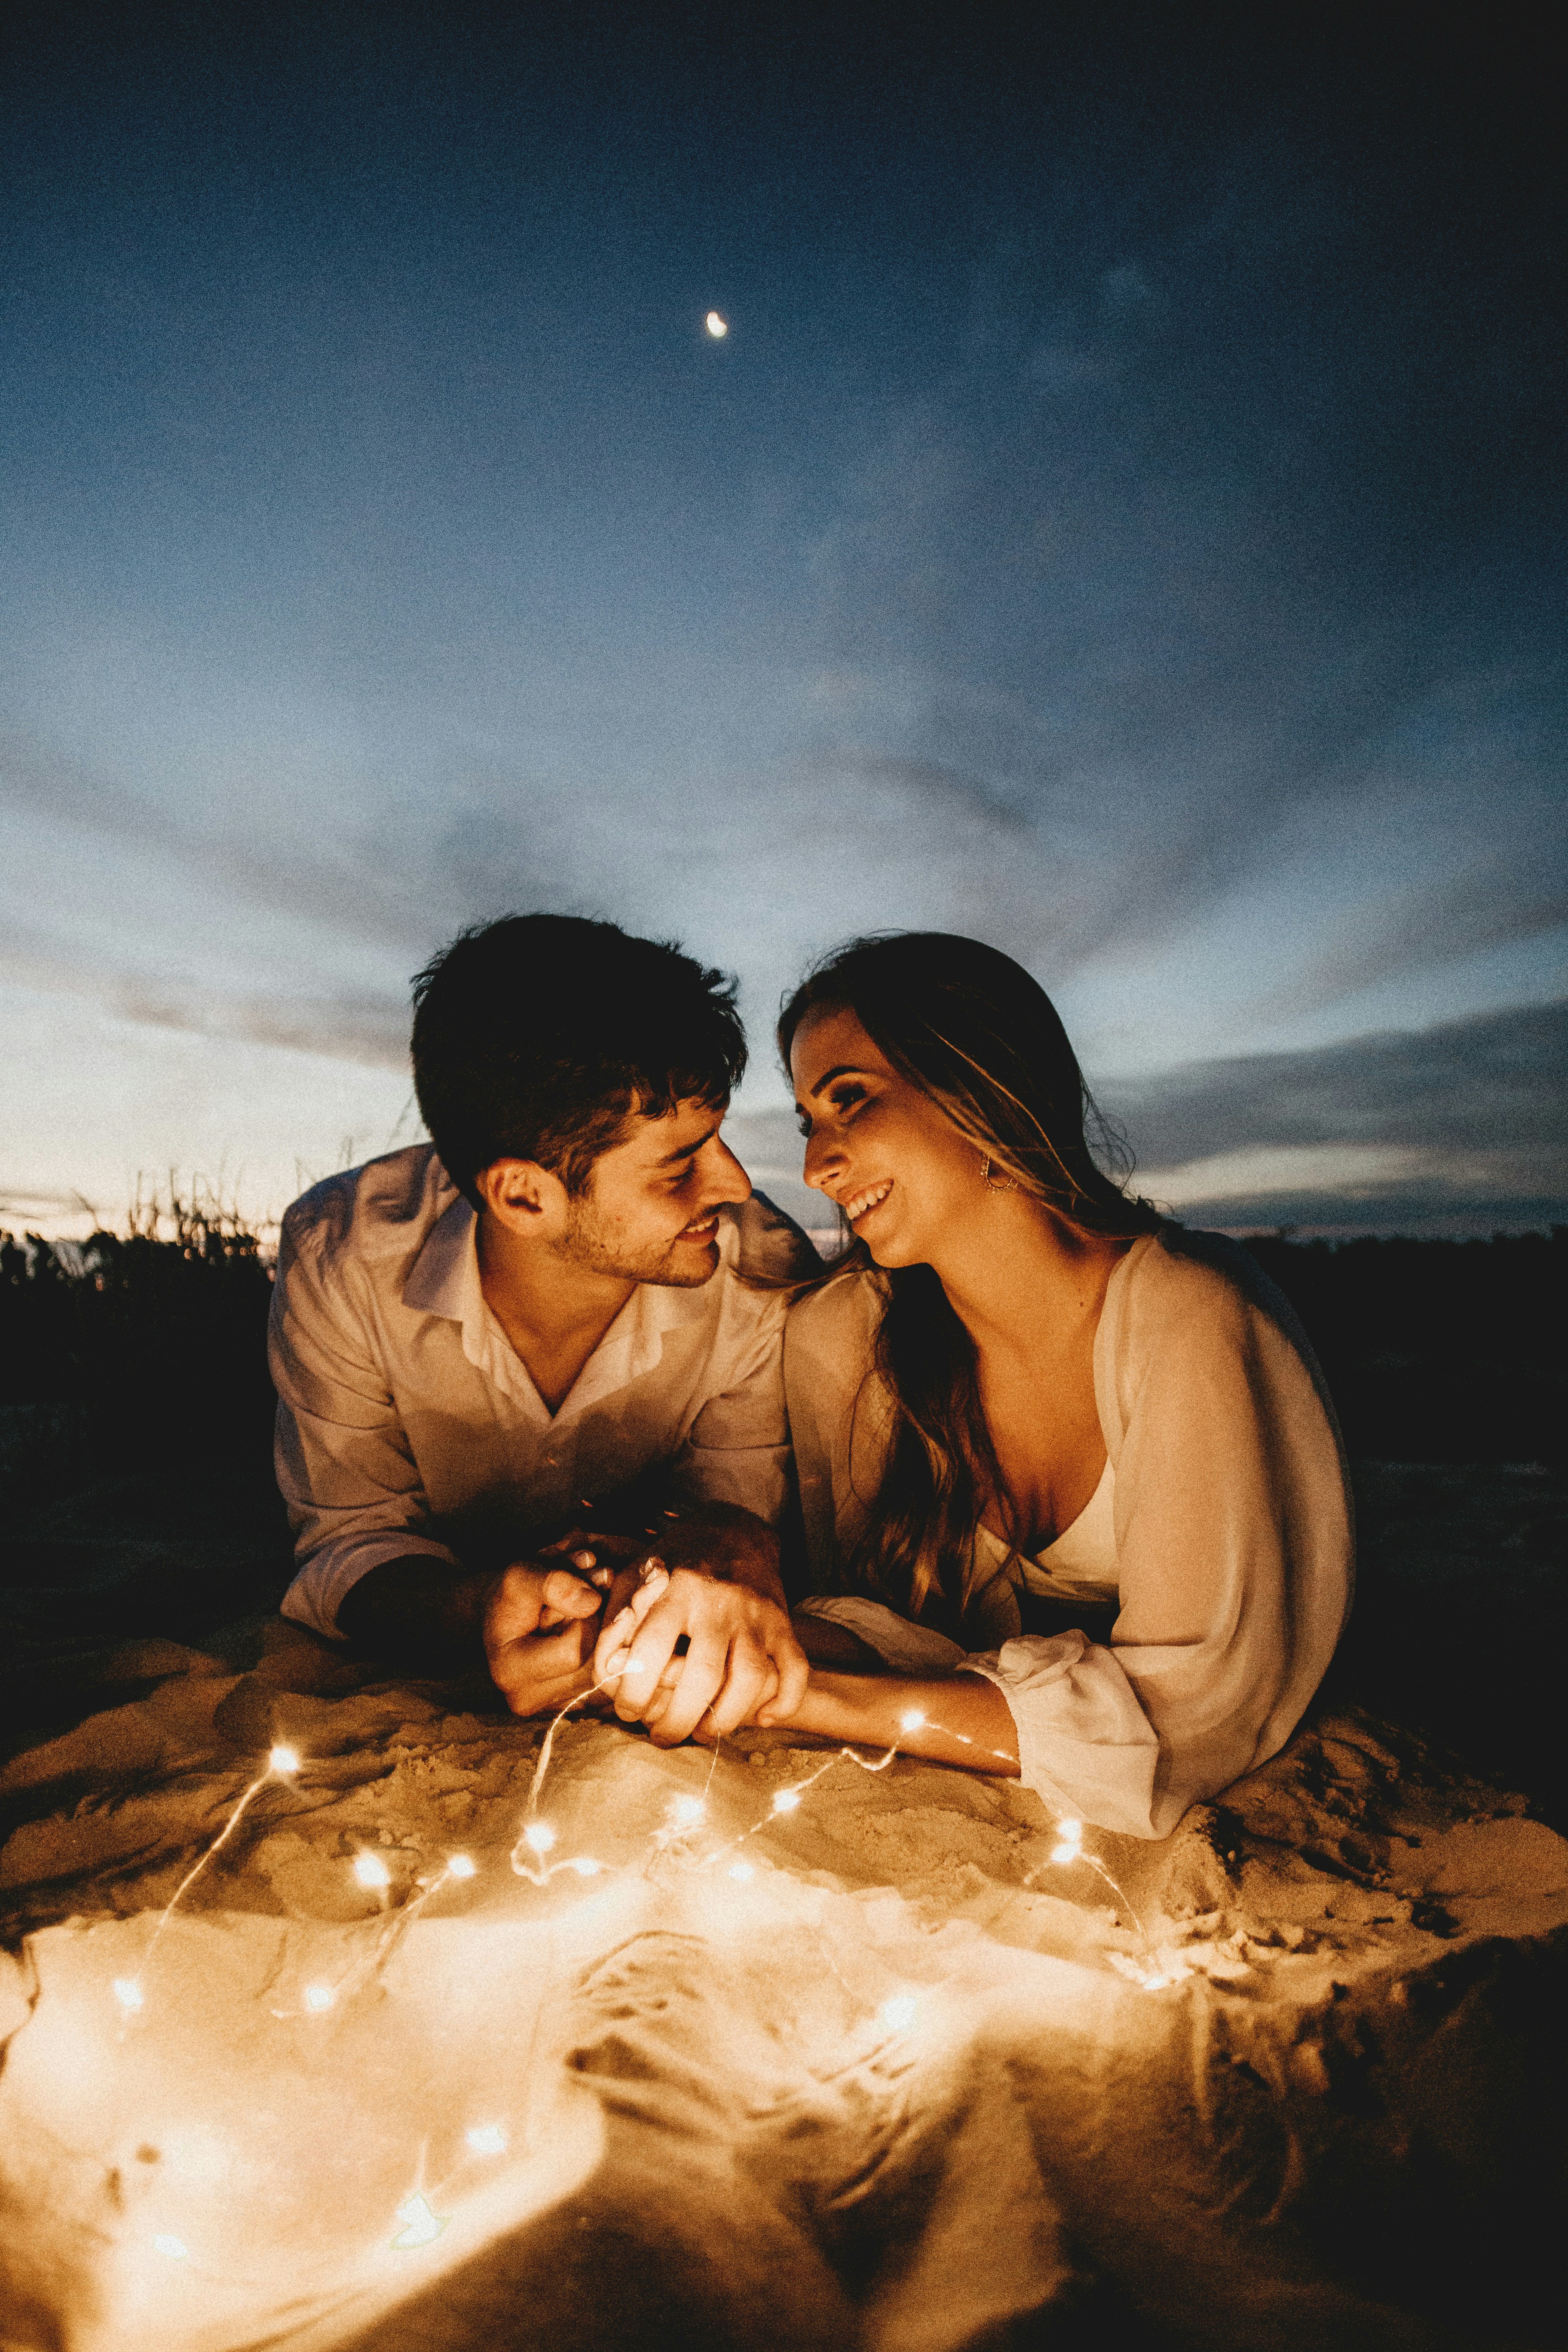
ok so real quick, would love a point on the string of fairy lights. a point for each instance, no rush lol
(534, 1858)
(537, 1840)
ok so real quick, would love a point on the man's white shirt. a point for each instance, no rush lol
(408, 1423)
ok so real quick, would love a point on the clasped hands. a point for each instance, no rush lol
(667, 1644)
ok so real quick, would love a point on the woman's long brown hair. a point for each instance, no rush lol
(983, 1042)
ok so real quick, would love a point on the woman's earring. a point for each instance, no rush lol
(997, 1183)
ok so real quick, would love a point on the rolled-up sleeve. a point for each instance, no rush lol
(1233, 1557)
(344, 1462)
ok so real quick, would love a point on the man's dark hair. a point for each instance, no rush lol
(538, 1036)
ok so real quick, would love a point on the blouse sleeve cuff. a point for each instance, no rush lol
(1085, 1746)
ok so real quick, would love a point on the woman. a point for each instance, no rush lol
(1073, 1486)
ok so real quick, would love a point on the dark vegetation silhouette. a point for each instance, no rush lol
(137, 1507)
(145, 1352)
(137, 1503)
(137, 1354)
(1437, 1350)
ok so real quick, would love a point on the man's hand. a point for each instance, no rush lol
(541, 1621)
(535, 1622)
(740, 1654)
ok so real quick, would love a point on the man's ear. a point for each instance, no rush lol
(521, 1194)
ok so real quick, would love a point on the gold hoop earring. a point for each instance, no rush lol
(997, 1183)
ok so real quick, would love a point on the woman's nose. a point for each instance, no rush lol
(823, 1160)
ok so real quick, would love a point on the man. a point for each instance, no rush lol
(487, 1346)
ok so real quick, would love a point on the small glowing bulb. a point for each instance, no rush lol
(912, 1721)
(586, 1866)
(540, 1836)
(717, 327)
(1071, 1832)
(284, 1759)
(370, 1870)
(487, 2139)
(786, 1800)
(420, 2225)
(899, 2015)
(318, 1997)
(742, 1873)
(689, 1809)
(128, 1992)
(176, 2248)
(634, 1667)
(461, 1865)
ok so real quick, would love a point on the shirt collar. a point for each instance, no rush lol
(445, 1280)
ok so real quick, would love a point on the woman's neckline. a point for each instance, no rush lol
(1062, 1533)
(1136, 1249)
(1076, 1521)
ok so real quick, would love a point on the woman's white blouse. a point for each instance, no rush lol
(1221, 1531)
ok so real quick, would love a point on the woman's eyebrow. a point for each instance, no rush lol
(839, 1070)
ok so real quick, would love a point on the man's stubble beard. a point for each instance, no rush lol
(586, 1245)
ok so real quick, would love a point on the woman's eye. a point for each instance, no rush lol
(847, 1099)
(803, 1124)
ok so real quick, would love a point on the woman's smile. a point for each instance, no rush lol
(860, 1205)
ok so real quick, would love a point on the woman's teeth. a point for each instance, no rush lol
(858, 1207)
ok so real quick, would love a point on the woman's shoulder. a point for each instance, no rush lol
(831, 1331)
(847, 1305)
(1181, 1273)
(831, 1387)
(1180, 1266)
(1192, 1291)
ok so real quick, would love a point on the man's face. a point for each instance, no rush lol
(649, 1211)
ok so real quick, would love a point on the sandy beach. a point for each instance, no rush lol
(870, 2067)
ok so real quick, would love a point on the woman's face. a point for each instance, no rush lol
(895, 1164)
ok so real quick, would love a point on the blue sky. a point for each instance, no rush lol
(1123, 523)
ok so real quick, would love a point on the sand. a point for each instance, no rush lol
(905, 2081)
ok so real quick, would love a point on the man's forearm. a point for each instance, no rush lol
(728, 1541)
(418, 1610)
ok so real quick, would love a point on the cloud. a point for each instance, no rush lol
(347, 1027)
(1177, 607)
(1462, 1124)
(1494, 1082)
(1495, 899)
(332, 880)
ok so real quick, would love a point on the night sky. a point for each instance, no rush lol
(1123, 523)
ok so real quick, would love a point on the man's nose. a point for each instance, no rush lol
(727, 1180)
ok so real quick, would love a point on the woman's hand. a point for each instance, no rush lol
(740, 1655)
